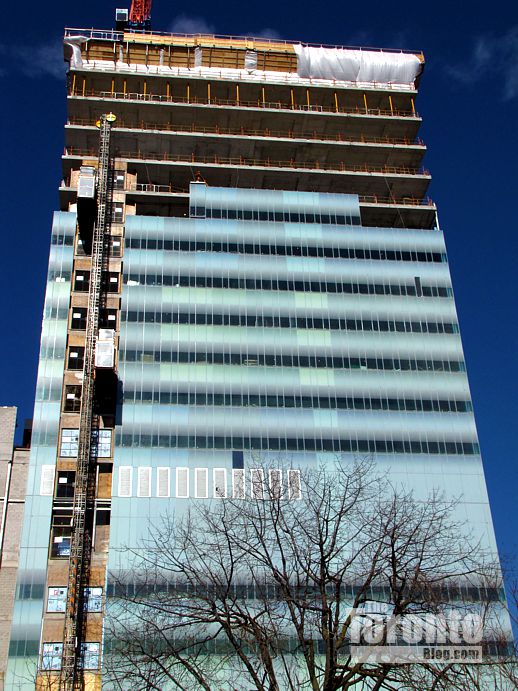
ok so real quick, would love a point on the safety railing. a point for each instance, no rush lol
(119, 35)
(397, 201)
(314, 166)
(103, 34)
(149, 187)
(364, 199)
(235, 103)
(245, 132)
(157, 189)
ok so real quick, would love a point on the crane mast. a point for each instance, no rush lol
(140, 13)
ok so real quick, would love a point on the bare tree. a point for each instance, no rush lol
(265, 593)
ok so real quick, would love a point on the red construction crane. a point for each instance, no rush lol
(140, 14)
(139, 17)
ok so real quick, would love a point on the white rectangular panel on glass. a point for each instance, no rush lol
(47, 480)
(144, 482)
(219, 480)
(294, 486)
(201, 483)
(125, 481)
(162, 482)
(238, 483)
(275, 483)
(182, 483)
(257, 483)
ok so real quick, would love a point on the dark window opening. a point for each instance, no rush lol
(115, 246)
(61, 535)
(110, 282)
(237, 459)
(76, 357)
(118, 213)
(108, 319)
(80, 247)
(72, 400)
(82, 281)
(78, 319)
(65, 484)
(118, 181)
(102, 517)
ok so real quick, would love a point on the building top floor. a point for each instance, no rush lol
(260, 59)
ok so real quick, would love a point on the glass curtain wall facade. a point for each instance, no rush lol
(274, 325)
(31, 599)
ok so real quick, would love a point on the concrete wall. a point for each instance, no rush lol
(13, 479)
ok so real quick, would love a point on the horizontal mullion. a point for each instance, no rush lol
(301, 444)
(384, 325)
(283, 400)
(292, 250)
(165, 277)
(317, 360)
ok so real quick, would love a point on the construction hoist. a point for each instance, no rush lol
(84, 492)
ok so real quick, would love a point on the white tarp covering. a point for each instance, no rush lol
(349, 65)
(75, 43)
(251, 60)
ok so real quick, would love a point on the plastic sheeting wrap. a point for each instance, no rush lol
(251, 60)
(357, 65)
(75, 43)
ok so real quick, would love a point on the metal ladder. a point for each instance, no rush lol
(84, 492)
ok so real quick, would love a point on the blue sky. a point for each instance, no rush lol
(469, 102)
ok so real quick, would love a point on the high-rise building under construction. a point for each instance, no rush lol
(244, 263)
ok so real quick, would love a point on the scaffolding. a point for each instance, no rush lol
(84, 493)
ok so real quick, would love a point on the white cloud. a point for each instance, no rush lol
(35, 60)
(493, 57)
(185, 24)
(190, 24)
